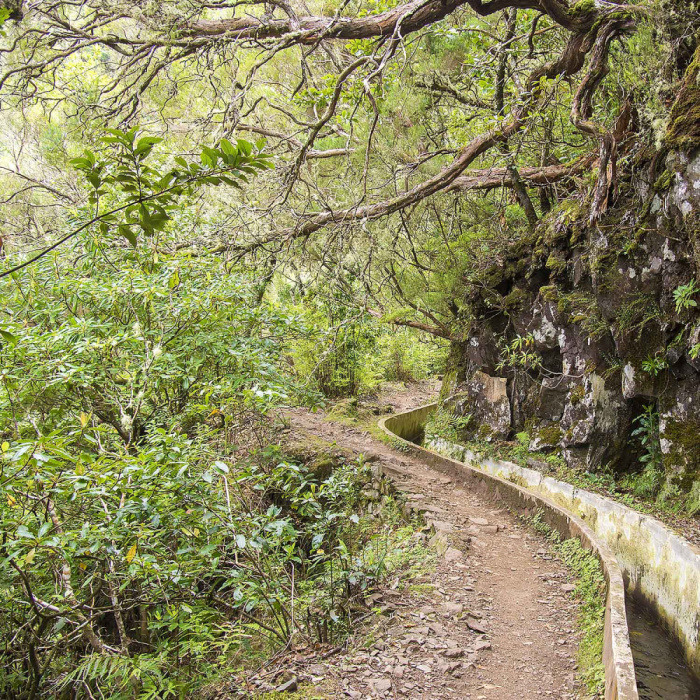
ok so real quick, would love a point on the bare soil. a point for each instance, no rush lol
(495, 619)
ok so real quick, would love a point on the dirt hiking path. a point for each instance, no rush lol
(499, 619)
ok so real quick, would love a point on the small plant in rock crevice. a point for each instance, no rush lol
(650, 481)
(683, 296)
(637, 313)
(520, 354)
(654, 365)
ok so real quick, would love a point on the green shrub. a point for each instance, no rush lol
(648, 483)
(149, 572)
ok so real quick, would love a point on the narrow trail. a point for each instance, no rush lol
(499, 622)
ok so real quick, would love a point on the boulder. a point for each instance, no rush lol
(485, 399)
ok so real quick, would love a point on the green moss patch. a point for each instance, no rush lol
(684, 453)
(590, 593)
(684, 123)
(549, 435)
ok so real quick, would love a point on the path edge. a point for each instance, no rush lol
(620, 679)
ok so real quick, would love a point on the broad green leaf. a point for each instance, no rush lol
(127, 233)
(9, 337)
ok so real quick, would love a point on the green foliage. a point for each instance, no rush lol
(135, 561)
(351, 354)
(523, 438)
(121, 371)
(637, 313)
(654, 364)
(445, 424)
(4, 16)
(520, 353)
(130, 194)
(106, 526)
(178, 558)
(337, 359)
(683, 296)
(650, 481)
(130, 340)
(404, 355)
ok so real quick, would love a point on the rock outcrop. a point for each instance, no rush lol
(581, 327)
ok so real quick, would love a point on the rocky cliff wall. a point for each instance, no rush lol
(583, 326)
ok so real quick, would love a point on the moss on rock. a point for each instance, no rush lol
(682, 456)
(663, 182)
(549, 435)
(578, 393)
(549, 293)
(556, 262)
(684, 122)
(515, 299)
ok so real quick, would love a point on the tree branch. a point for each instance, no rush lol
(570, 62)
(433, 330)
(308, 30)
(493, 178)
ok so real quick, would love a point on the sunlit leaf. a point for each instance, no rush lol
(131, 553)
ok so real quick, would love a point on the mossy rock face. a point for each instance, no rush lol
(322, 466)
(556, 262)
(454, 370)
(484, 400)
(595, 426)
(494, 276)
(684, 122)
(680, 441)
(549, 293)
(546, 437)
(516, 299)
(485, 432)
(597, 309)
(563, 226)
(449, 384)
(582, 309)
(663, 182)
(577, 395)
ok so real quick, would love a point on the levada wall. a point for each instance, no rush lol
(493, 480)
(659, 566)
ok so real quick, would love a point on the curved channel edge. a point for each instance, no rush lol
(620, 680)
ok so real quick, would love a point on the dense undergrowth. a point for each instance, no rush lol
(190, 567)
(153, 542)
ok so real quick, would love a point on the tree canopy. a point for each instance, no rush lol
(374, 112)
(212, 208)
